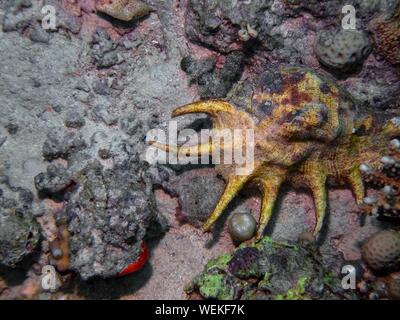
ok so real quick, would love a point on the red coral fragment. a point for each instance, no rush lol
(138, 264)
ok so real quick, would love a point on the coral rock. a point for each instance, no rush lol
(342, 50)
(381, 252)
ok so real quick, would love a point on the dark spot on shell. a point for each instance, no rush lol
(265, 107)
(297, 76)
(285, 101)
(297, 97)
(324, 87)
(270, 81)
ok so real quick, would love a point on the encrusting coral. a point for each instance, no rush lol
(312, 138)
(386, 32)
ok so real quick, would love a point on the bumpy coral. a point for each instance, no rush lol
(386, 203)
(381, 252)
(125, 10)
(386, 31)
(269, 270)
(342, 50)
(310, 137)
(227, 25)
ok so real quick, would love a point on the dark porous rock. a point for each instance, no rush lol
(381, 252)
(104, 49)
(218, 24)
(104, 114)
(101, 87)
(198, 194)
(317, 8)
(197, 68)
(37, 34)
(108, 214)
(232, 25)
(131, 125)
(55, 180)
(109, 59)
(19, 232)
(60, 144)
(74, 120)
(12, 127)
(214, 83)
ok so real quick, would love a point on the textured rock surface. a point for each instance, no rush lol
(191, 188)
(61, 116)
(386, 32)
(108, 217)
(214, 83)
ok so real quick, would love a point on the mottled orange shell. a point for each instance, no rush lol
(306, 135)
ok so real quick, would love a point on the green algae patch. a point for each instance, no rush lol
(214, 286)
(269, 270)
(220, 262)
(296, 293)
